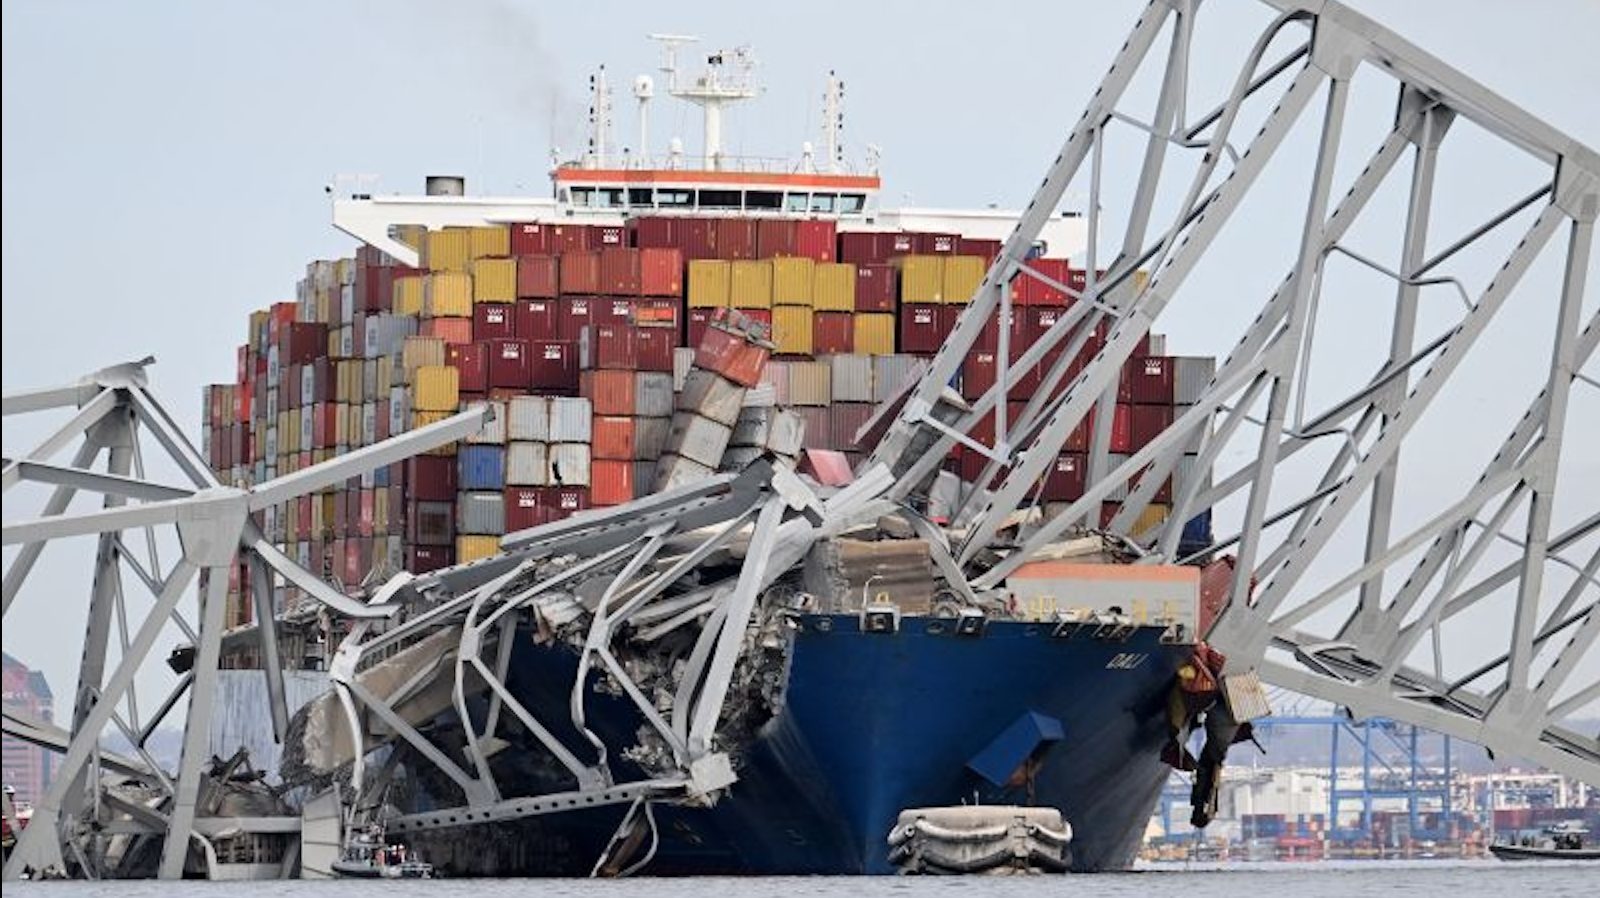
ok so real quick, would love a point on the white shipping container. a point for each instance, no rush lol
(673, 471)
(761, 395)
(307, 429)
(369, 380)
(308, 384)
(809, 384)
(851, 377)
(652, 394)
(644, 477)
(698, 439)
(753, 426)
(710, 395)
(682, 361)
(569, 464)
(369, 423)
(570, 420)
(650, 438)
(788, 433)
(480, 513)
(399, 410)
(386, 334)
(493, 431)
(1190, 375)
(347, 341)
(527, 464)
(777, 375)
(529, 419)
(890, 372)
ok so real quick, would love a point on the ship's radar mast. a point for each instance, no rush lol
(599, 119)
(729, 77)
(833, 124)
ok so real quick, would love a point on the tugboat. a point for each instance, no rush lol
(1561, 842)
(368, 856)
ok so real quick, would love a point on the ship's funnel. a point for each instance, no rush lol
(445, 185)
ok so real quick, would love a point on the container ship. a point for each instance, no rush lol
(583, 321)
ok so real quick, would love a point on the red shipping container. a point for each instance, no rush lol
(816, 239)
(936, 244)
(981, 370)
(301, 342)
(653, 231)
(561, 502)
(1121, 429)
(846, 420)
(619, 271)
(611, 482)
(819, 426)
(655, 345)
(612, 438)
(833, 333)
(898, 243)
(364, 514)
(732, 356)
(697, 237)
(775, 237)
(1078, 440)
(862, 248)
(580, 273)
(341, 516)
(380, 425)
(1030, 291)
(289, 381)
(423, 559)
(661, 271)
(696, 323)
(472, 360)
(302, 513)
(989, 337)
(613, 346)
(607, 236)
(971, 246)
(1064, 481)
(920, 329)
(325, 424)
(538, 277)
(523, 509)
(760, 316)
(948, 316)
(875, 287)
(1151, 380)
(536, 319)
(611, 310)
(1146, 423)
(555, 366)
(1078, 278)
(494, 321)
(450, 330)
(531, 239)
(567, 238)
(573, 315)
(509, 365)
(610, 392)
(736, 238)
(658, 313)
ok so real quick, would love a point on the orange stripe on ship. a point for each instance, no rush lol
(1066, 570)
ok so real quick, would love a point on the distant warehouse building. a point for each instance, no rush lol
(28, 768)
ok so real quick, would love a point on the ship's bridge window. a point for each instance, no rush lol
(608, 197)
(719, 199)
(822, 202)
(674, 198)
(641, 196)
(796, 202)
(582, 196)
(763, 199)
(851, 202)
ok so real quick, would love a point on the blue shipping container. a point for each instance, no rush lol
(482, 467)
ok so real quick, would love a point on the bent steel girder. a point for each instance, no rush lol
(116, 416)
(1324, 475)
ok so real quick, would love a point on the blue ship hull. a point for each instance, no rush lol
(870, 724)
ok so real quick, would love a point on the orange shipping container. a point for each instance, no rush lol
(609, 392)
(450, 330)
(610, 482)
(661, 272)
(580, 273)
(613, 437)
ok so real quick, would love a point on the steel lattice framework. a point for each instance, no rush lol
(116, 417)
(1518, 690)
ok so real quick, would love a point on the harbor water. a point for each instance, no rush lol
(1326, 880)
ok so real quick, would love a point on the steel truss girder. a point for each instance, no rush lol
(212, 523)
(1519, 691)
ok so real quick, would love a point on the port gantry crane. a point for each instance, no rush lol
(1354, 640)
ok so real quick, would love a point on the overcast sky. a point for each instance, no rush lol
(164, 164)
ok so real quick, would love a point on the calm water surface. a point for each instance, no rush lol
(1328, 880)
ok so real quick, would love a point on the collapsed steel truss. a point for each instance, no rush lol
(75, 820)
(1509, 701)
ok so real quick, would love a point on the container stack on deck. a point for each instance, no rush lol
(619, 360)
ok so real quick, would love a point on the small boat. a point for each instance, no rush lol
(1560, 842)
(368, 856)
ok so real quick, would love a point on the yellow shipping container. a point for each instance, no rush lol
(411, 235)
(344, 271)
(834, 287)
(407, 298)
(488, 241)
(447, 294)
(417, 352)
(791, 330)
(494, 280)
(874, 333)
(921, 278)
(709, 280)
(438, 389)
(750, 284)
(962, 275)
(1141, 277)
(792, 281)
(380, 512)
(447, 250)
(1153, 515)
(423, 419)
(476, 548)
